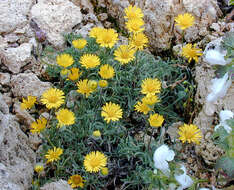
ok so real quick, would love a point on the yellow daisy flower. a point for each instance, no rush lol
(139, 41)
(97, 133)
(79, 44)
(95, 31)
(184, 21)
(133, 12)
(150, 86)
(104, 171)
(107, 38)
(190, 133)
(142, 107)
(84, 87)
(156, 120)
(76, 181)
(191, 52)
(111, 112)
(28, 103)
(64, 60)
(106, 71)
(102, 83)
(74, 74)
(124, 54)
(53, 154)
(53, 98)
(150, 99)
(38, 126)
(135, 25)
(89, 61)
(95, 161)
(65, 117)
(39, 168)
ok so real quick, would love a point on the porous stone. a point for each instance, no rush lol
(15, 58)
(25, 84)
(58, 185)
(4, 78)
(56, 17)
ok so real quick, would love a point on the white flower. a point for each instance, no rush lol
(214, 57)
(219, 88)
(184, 180)
(223, 116)
(161, 155)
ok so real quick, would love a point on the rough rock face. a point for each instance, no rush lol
(13, 14)
(17, 158)
(159, 18)
(25, 84)
(56, 17)
(15, 58)
(59, 185)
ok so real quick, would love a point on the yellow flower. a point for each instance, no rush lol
(107, 38)
(191, 52)
(84, 87)
(111, 111)
(139, 41)
(102, 83)
(89, 61)
(74, 74)
(39, 168)
(53, 98)
(156, 120)
(150, 99)
(64, 72)
(65, 117)
(93, 84)
(79, 44)
(142, 107)
(106, 71)
(38, 126)
(133, 12)
(184, 21)
(53, 154)
(190, 133)
(95, 31)
(150, 86)
(104, 171)
(97, 133)
(76, 181)
(124, 54)
(64, 60)
(28, 103)
(135, 25)
(95, 161)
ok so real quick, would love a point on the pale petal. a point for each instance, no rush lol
(215, 57)
(184, 180)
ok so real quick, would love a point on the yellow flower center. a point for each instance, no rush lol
(53, 99)
(125, 55)
(77, 179)
(95, 163)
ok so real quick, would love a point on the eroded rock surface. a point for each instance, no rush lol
(58, 185)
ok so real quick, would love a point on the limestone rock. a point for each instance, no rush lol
(15, 58)
(58, 185)
(13, 14)
(4, 78)
(85, 5)
(17, 158)
(56, 17)
(25, 84)
(159, 18)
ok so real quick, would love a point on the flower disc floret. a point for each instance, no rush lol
(150, 86)
(64, 60)
(79, 44)
(38, 125)
(106, 71)
(53, 98)
(184, 21)
(135, 25)
(95, 161)
(28, 103)
(156, 120)
(190, 133)
(89, 61)
(111, 112)
(65, 117)
(191, 52)
(84, 87)
(139, 41)
(133, 12)
(124, 54)
(53, 154)
(76, 181)
(107, 38)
